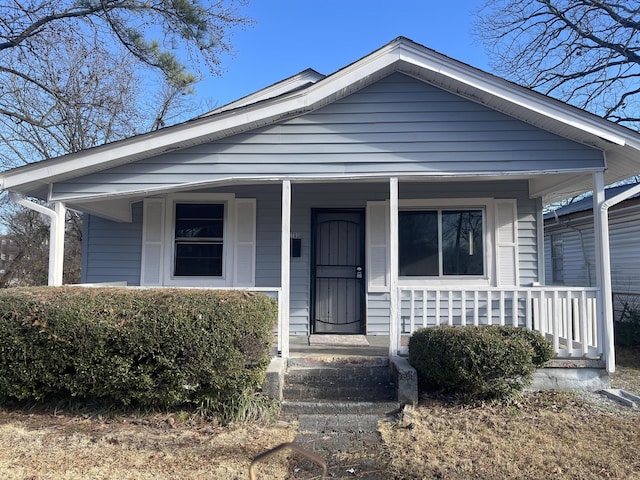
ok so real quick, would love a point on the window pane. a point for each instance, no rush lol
(198, 259)
(192, 228)
(199, 220)
(199, 230)
(418, 244)
(462, 243)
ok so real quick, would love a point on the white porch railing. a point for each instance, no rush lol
(568, 316)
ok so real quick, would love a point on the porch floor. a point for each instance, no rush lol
(299, 347)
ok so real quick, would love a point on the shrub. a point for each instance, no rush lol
(627, 329)
(153, 348)
(487, 362)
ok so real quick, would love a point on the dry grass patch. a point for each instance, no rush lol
(627, 374)
(547, 435)
(42, 446)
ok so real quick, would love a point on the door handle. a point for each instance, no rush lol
(358, 272)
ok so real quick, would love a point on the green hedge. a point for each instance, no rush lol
(150, 348)
(488, 362)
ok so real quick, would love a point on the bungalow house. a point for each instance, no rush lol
(404, 190)
(570, 257)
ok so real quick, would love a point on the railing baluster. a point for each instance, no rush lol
(412, 311)
(554, 321)
(584, 336)
(502, 322)
(596, 339)
(424, 308)
(475, 308)
(527, 311)
(463, 309)
(569, 332)
(543, 313)
(450, 307)
(437, 307)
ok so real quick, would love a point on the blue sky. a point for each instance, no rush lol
(289, 36)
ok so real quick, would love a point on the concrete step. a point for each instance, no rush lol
(329, 371)
(339, 407)
(327, 360)
(337, 381)
(338, 423)
(350, 444)
(346, 391)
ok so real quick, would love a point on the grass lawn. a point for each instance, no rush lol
(545, 435)
(43, 446)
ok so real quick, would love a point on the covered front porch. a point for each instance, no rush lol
(505, 249)
(578, 320)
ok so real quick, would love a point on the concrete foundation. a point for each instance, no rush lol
(580, 379)
(406, 380)
(274, 380)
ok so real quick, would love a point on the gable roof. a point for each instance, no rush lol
(585, 204)
(310, 90)
(301, 80)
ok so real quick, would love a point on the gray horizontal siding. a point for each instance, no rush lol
(578, 259)
(398, 125)
(378, 313)
(527, 241)
(625, 254)
(579, 252)
(111, 251)
(548, 270)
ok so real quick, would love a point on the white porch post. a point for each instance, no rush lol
(603, 269)
(394, 324)
(285, 270)
(58, 217)
(56, 244)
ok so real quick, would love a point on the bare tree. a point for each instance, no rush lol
(70, 71)
(71, 78)
(148, 32)
(30, 234)
(91, 99)
(585, 52)
(97, 100)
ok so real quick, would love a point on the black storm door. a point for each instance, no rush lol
(337, 271)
